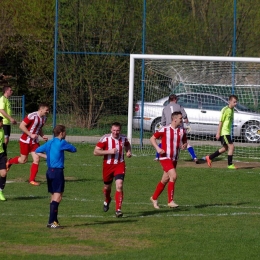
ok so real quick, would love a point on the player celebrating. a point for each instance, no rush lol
(224, 133)
(54, 152)
(112, 146)
(32, 128)
(173, 138)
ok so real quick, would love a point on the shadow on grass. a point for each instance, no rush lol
(247, 167)
(221, 204)
(202, 161)
(122, 220)
(29, 198)
(80, 180)
(162, 210)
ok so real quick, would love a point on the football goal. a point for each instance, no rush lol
(203, 85)
(18, 111)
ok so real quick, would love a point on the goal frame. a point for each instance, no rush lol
(134, 57)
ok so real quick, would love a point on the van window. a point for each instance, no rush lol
(188, 101)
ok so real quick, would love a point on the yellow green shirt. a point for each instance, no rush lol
(6, 106)
(226, 117)
(2, 138)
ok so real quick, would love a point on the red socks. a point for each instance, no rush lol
(106, 193)
(119, 199)
(119, 196)
(34, 170)
(14, 160)
(159, 189)
(170, 191)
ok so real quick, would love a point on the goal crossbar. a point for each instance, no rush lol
(134, 57)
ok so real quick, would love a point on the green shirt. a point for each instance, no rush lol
(6, 106)
(2, 138)
(226, 117)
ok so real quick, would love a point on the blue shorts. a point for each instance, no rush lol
(55, 180)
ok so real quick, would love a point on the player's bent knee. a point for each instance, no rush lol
(22, 161)
(3, 173)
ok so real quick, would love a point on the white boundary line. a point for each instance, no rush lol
(109, 215)
(146, 203)
(134, 215)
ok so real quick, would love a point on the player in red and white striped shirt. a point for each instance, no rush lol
(112, 147)
(173, 138)
(32, 128)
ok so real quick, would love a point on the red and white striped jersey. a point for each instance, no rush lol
(107, 142)
(34, 125)
(172, 140)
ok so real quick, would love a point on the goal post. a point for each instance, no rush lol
(207, 78)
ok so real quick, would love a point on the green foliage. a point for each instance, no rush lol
(99, 82)
(30, 48)
(91, 86)
(218, 217)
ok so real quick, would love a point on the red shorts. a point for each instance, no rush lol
(25, 149)
(111, 170)
(168, 164)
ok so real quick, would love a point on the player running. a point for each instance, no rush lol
(112, 147)
(31, 126)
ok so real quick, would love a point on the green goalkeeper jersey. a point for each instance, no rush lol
(6, 106)
(226, 117)
(2, 138)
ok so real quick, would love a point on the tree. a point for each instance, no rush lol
(99, 82)
(202, 27)
(28, 47)
(91, 85)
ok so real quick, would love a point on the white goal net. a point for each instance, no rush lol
(202, 84)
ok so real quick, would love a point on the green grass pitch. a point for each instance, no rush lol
(218, 216)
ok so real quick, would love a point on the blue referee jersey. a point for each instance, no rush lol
(54, 150)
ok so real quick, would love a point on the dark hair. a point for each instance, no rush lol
(1, 118)
(58, 129)
(233, 96)
(176, 113)
(43, 105)
(116, 124)
(172, 97)
(5, 88)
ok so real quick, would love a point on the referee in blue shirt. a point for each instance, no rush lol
(53, 151)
